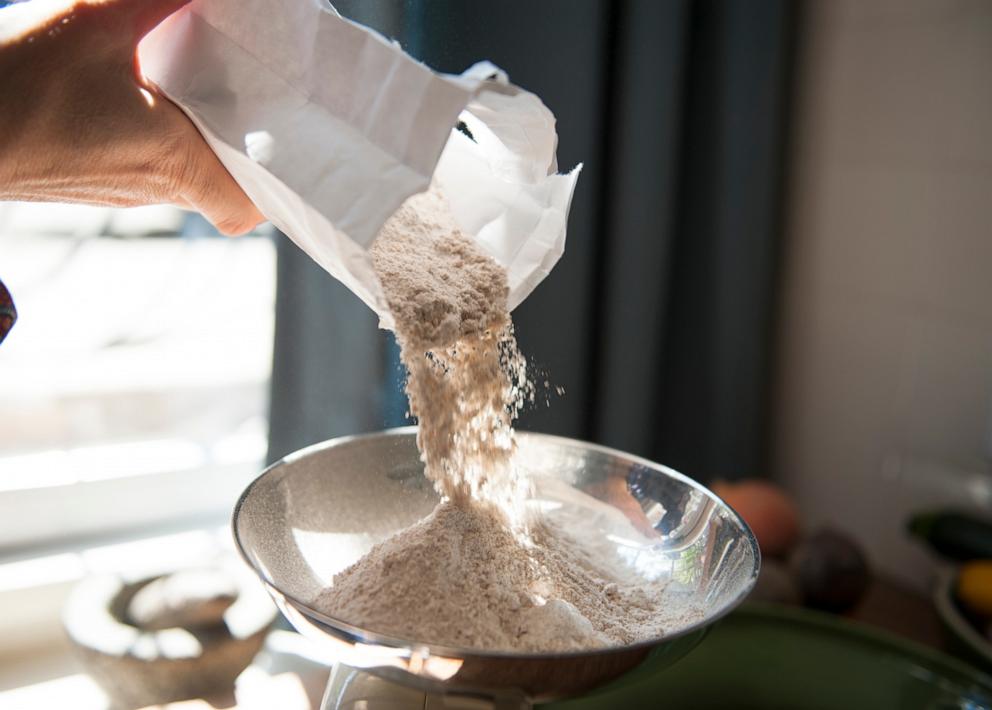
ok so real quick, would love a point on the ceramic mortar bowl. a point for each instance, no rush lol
(140, 665)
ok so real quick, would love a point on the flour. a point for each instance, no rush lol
(466, 378)
(462, 578)
(439, 284)
(479, 571)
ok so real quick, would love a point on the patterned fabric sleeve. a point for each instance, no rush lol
(8, 314)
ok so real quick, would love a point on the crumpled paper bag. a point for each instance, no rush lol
(329, 127)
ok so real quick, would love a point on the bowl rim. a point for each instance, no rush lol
(947, 610)
(364, 636)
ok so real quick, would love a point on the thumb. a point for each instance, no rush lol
(206, 186)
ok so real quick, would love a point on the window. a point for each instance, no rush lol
(134, 384)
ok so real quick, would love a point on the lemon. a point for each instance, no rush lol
(974, 588)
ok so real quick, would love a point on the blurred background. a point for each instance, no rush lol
(777, 267)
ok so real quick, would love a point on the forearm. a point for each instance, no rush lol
(20, 114)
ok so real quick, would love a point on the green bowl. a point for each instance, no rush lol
(963, 639)
(768, 657)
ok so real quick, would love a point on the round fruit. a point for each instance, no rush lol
(831, 570)
(768, 511)
(974, 588)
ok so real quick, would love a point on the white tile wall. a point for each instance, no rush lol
(885, 390)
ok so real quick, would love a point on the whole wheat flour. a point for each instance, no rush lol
(461, 577)
(477, 572)
(466, 378)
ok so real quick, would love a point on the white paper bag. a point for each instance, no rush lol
(329, 127)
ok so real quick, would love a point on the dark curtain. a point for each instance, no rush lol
(333, 371)
(657, 321)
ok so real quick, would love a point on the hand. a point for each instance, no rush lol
(79, 123)
(614, 490)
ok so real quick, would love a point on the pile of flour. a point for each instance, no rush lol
(461, 577)
(478, 572)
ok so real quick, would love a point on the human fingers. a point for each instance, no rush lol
(203, 183)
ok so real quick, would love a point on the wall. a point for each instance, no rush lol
(885, 359)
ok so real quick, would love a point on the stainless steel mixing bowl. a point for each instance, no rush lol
(317, 511)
